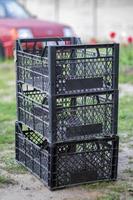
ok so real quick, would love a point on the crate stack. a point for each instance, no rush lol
(67, 110)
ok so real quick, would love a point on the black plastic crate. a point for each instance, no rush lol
(69, 69)
(76, 117)
(32, 59)
(66, 164)
(38, 46)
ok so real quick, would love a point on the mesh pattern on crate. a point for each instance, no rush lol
(33, 70)
(77, 69)
(29, 151)
(83, 68)
(70, 163)
(33, 112)
(33, 60)
(83, 162)
(76, 118)
(84, 117)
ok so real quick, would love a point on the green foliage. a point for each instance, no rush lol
(126, 78)
(129, 171)
(10, 164)
(117, 186)
(6, 180)
(110, 196)
(7, 111)
(126, 55)
(126, 115)
(110, 190)
(126, 64)
(7, 104)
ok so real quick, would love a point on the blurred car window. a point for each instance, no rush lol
(14, 10)
(2, 11)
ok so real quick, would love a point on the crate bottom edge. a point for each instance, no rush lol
(64, 186)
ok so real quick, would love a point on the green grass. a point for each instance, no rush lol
(113, 186)
(7, 111)
(10, 164)
(110, 196)
(126, 78)
(6, 180)
(7, 81)
(130, 146)
(7, 104)
(130, 161)
(110, 190)
(129, 171)
(126, 55)
(7, 119)
(7, 61)
(126, 116)
(7, 134)
(126, 64)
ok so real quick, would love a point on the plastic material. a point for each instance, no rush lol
(67, 110)
(68, 69)
(76, 117)
(66, 164)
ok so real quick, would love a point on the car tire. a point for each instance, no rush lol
(2, 52)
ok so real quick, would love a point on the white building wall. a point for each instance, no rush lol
(112, 15)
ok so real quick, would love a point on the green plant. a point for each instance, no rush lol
(6, 180)
(126, 64)
(126, 116)
(110, 196)
(10, 165)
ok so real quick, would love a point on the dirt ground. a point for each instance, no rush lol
(27, 187)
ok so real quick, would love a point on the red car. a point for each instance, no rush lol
(16, 22)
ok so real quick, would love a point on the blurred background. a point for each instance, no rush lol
(89, 18)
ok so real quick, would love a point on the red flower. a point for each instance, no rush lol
(130, 39)
(112, 35)
(93, 41)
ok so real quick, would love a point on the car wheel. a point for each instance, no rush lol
(2, 53)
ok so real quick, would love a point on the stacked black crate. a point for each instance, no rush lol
(67, 99)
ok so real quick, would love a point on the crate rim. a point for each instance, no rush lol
(105, 138)
(47, 39)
